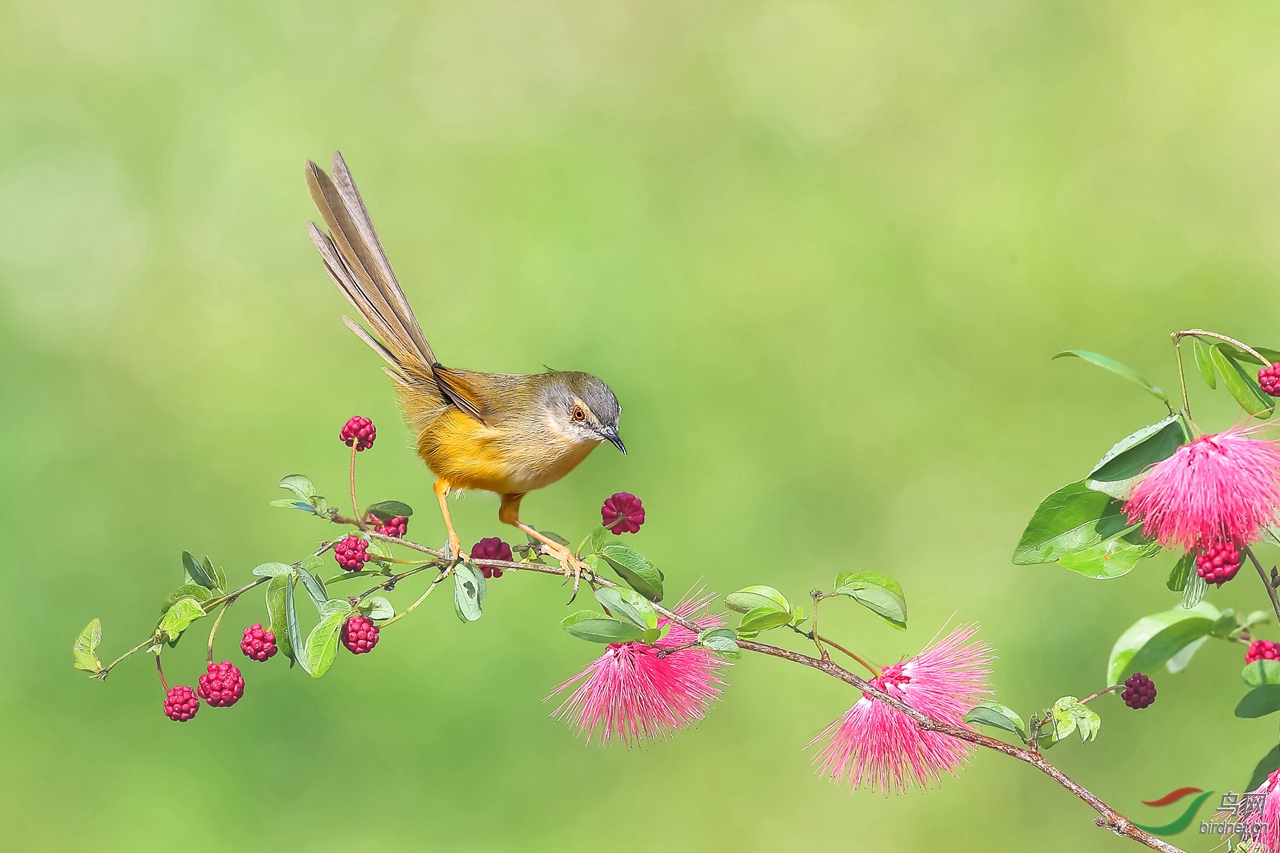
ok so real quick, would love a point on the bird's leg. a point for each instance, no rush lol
(509, 513)
(441, 489)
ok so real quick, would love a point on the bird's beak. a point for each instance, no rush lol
(612, 435)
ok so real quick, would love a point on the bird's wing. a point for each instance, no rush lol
(461, 389)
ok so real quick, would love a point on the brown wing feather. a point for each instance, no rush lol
(458, 389)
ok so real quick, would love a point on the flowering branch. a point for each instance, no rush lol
(1168, 485)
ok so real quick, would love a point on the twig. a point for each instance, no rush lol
(1271, 590)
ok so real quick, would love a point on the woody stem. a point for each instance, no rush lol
(1086, 700)
(160, 670)
(355, 505)
(213, 632)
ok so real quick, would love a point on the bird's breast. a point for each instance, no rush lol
(509, 458)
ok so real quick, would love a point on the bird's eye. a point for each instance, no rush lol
(578, 414)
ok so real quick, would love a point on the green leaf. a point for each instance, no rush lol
(179, 617)
(335, 605)
(84, 649)
(763, 619)
(997, 716)
(1259, 702)
(1154, 639)
(1201, 351)
(1070, 715)
(1181, 571)
(1074, 518)
(315, 588)
(271, 570)
(377, 607)
(1182, 659)
(632, 567)
(1118, 369)
(322, 642)
(187, 590)
(723, 641)
(1261, 672)
(218, 575)
(300, 486)
(879, 593)
(468, 591)
(293, 629)
(290, 503)
(197, 572)
(1133, 454)
(798, 616)
(387, 510)
(629, 606)
(1110, 558)
(1269, 764)
(755, 598)
(277, 622)
(594, 542)
(596, 628)
(1241, 384)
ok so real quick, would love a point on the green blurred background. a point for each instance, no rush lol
(822, 251)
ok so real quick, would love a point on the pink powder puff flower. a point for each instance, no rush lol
(886, 749)
(634, 692)
(1269, 816)
(1219, 488)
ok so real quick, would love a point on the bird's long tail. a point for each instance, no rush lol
(354, 259)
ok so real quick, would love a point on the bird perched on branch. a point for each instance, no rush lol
(500, 432)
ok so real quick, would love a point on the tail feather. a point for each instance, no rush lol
(357, 264)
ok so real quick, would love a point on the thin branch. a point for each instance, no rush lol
(1271, 590)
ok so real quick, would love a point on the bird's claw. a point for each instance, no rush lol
(571, 565)
(456, 554)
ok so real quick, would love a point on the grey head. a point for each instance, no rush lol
(582, 408)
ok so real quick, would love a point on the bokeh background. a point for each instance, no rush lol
(823, 252)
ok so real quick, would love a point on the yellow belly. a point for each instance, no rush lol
(469, 455)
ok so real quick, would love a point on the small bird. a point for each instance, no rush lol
(500, 432)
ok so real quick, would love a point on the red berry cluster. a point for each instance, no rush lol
(358, 432)
(180, 704)
(1262, 650)
(222, 686)
(1218, 563)
(1269, 379)
(1139, 691)
(396, 527)
(359, 635)
(622, 513)
(351, 552)
(492, 548)
(257, 643)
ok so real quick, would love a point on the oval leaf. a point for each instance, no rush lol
(468, 591)
(1259, 702)
(632, 567)
(629, 606)
(270, 570)
(179, 617)
(597, 628)
(756, 597)
(1241, 384)
(1133, 454)
(84, 649)
(1261, 672)
(879, 593)
(293, 628)
(277, 622)
(300, 486)
(763, 618)
(387, 510)
(197, 572)
(1154, 639)
(315, 588)
(1074, 518)
(1118, 369)
(997, 716)
(322, 642)
(378, 608)
(1201, 351)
